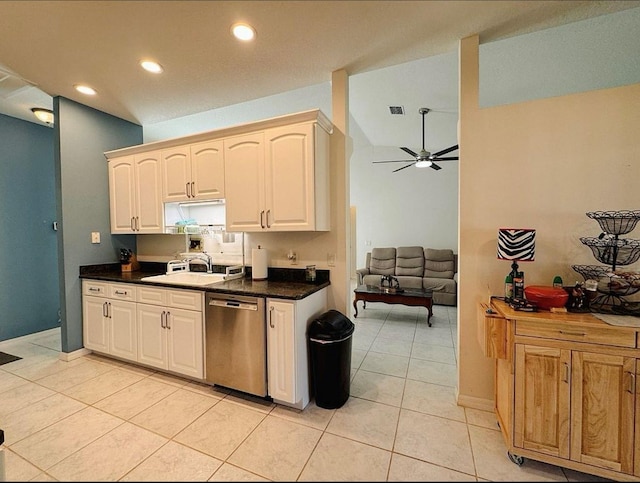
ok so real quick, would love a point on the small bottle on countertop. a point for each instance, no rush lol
(518, 290)
(557, 281)
(508, 287)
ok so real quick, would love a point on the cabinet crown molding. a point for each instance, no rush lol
(312, 115)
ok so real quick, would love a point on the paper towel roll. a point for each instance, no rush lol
(259, 263)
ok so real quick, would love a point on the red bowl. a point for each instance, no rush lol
(546, 297)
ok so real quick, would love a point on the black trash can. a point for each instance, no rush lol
(330, 349)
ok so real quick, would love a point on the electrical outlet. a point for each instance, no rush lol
(331, 259)
(95, 237)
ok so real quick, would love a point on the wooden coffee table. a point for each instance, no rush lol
(408, 296)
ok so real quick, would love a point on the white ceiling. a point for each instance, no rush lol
(50, 46)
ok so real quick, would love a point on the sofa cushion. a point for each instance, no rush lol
(383, 261)
(410, 261)
(439, 263)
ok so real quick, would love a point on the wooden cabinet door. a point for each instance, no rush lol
(542, 396)
(95, 328)
(152, 336)
(207, 170)
(149, 207)
(176, 174)
(123, 341)
(122, 195)
(289, 178)
(244, 182)
(281, 351)
(185, 346)
(603, 399)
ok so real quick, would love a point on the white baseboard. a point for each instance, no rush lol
(69, 356)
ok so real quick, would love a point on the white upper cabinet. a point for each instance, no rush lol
(193, 172)
(135, 193)
(277, 180)
(273, 175)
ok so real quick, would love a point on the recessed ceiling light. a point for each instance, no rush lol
(151, 66)
(45, 115)
(243, 32)
(90, 91)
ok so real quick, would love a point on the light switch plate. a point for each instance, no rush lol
(95, 237)
(331, 259)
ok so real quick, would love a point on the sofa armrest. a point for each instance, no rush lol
(361, 272)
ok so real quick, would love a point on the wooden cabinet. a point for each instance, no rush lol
(287, 347)
(135, 194)
(109, 319)
(170, 327)
(193, 172)
(278, 179)
(566, 392)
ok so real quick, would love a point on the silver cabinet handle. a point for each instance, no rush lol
(121, 292)
(565, 378)
(262, 219)
(167, 320)
(187, 189)
(94, 289)
(271, 318)
(632, 379)
(105, 311)
(133, 228)
(137, 223)
(570, 332)
(193, 189)
(162, 322)
(268, 224)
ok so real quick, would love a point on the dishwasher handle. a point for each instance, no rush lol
(233, 304)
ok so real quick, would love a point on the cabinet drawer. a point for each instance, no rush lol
(98, 289)
(152, 295)
(593, 335)
(122, 291)
(185, 299)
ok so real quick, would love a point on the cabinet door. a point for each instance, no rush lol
(244, 182)
(207, 170)
(122, 194)
(152, 335)
(185, 342)
(602, 408)
(149, 207)
(289, 178)
(542, 389)
(281, 351)
(95, 328)
(176, 174)
(123, 341)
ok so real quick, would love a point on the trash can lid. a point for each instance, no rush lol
(332, 325)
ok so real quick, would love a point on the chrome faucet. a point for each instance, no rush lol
(203, 257)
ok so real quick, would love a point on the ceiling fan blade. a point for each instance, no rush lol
(407, 150)
(435, 166)
(395, 161)
(450, 158)
(445, 151)
(402, 167)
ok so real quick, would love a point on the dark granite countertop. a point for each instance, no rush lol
(284, 283)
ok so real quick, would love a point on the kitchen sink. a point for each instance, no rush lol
(187, 278)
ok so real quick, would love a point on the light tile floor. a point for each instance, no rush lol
(95, 418)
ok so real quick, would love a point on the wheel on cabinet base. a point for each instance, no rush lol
(518, 460)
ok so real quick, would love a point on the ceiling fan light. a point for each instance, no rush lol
(151, 66)
(423, 163)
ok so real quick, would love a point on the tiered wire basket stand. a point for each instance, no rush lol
(615, 285)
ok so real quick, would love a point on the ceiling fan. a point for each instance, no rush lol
(424, 159)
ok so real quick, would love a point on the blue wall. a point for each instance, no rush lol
(29, 292)
(82, 136)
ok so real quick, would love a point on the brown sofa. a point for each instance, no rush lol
(415, 267)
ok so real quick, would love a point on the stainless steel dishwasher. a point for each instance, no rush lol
(236, 343)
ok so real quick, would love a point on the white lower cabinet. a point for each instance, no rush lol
(170, 329)
(157, 327)
(288, 367)
(109, 319)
